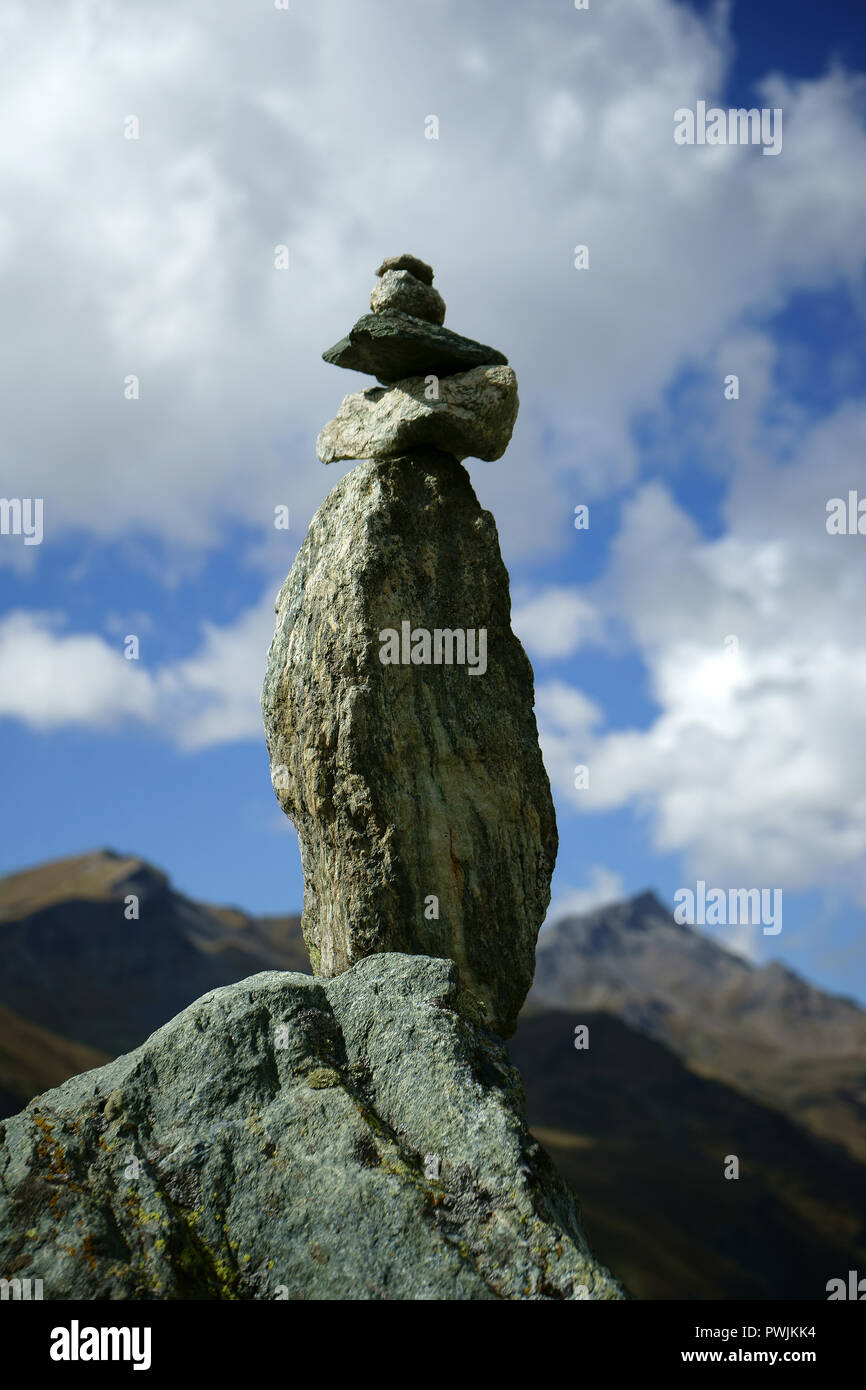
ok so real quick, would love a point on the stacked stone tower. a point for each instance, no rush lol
(398, 702)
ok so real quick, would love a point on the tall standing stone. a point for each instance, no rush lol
(416, 783)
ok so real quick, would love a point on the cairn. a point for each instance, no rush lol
(398, 703)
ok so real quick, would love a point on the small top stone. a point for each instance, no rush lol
(420, 269)
(398, 291)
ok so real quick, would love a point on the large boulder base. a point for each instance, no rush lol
(409, 783)
(287, 1138)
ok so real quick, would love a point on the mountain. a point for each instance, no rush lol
(764, 1031)
(32, 1060)
(694, 1055)
(644, 1139)
(76, 966)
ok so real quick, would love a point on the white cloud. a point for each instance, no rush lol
(604, 886)
(222, 682)
(555, 623)
(50, 679)
(752, 768)
(261, 127)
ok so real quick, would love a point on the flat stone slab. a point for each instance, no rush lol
(473, 416)
(392, 346)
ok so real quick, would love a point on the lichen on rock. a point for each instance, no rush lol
(270, 1143)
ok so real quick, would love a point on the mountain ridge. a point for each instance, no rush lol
(675, 1076)
(762, 1029)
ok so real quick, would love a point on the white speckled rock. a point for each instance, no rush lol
(399, 291)
(411, 781)
(473, 416)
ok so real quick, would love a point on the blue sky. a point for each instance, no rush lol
(707, 517)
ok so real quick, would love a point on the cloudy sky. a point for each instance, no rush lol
(739, 763)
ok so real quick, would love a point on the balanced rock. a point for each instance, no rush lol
(472, 414)
(398, 708)
(285, 1138)
(393, 345)
(420, 269)
(400, 292)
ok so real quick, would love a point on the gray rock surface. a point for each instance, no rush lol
(473, 415)
(392, 346)
(400, 292)
(420, 269)
(413, 781)
(280, 1139)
